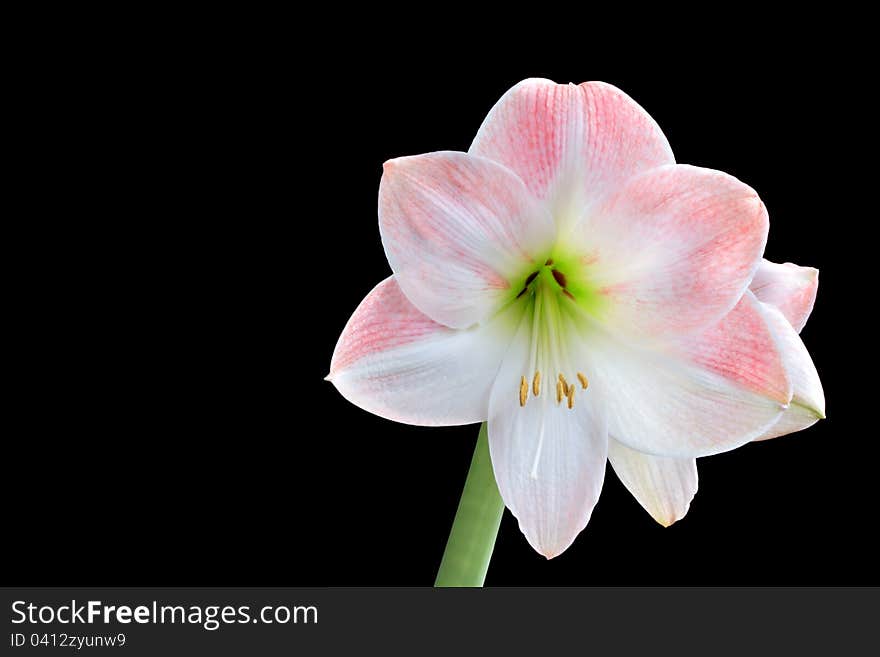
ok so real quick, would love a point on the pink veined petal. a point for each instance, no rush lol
(549, 460)
(457, 229)
(395, 362)
(571, 144)
(789, 287)
(674, 250)
(663, 486)
(698, 395)
(808, 399)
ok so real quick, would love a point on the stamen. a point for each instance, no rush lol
(548, 343)
(565, 385)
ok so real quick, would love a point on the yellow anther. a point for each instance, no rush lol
(565, 385)
(523, 391)
(583, 380)
(571, 396)
(536, 384)
(559, 394)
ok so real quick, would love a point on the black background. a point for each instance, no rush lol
(178, 430)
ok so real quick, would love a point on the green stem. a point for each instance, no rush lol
(475, 527)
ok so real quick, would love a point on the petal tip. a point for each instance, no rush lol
(533, 81)
(395, 163)
(668, 517)
(816, 408)
(549, 550)
(549, 553)
(666, 521)
(807, 273)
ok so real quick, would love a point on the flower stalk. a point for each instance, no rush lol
(472, 539)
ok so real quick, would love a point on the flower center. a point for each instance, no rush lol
(546, 290)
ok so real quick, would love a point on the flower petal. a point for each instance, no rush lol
(457, 230)
(674, 251)
(663, 486)
(395, 362)
(789, 287)
(808, 400)
(696, 396)
(571, 145)
(549, 460)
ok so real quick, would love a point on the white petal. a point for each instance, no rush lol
(808, 400)
(549, 460)
(395, 362)
(789, 287)
(461, 234)
(673, 250)
(663, 486)
(571, 144)
(702, 395)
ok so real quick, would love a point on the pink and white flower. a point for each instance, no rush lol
(570, 283)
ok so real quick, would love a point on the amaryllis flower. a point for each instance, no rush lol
(568, 282)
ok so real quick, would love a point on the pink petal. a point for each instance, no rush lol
(663, 486)
(395, 362)
(571, 144)
(549, 460)
(695, 396)
(792, 289)
(674, 250)
(458, 230)
(808, 399)
(742, 349)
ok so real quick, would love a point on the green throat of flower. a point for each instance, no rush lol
(554, 302)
